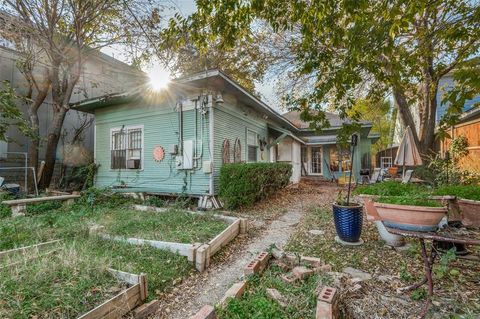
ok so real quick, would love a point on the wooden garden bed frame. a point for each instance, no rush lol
(7, 257)
(19, 206)
(197, 253)
(125, 301)
(115, 307)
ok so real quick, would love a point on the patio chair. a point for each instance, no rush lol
(407, 177)
(375, 176)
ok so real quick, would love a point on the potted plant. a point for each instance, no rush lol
(370, 193)
(393, 170)
(468, 201)
(348, 218)
(410, 213)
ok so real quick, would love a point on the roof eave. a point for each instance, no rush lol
(90, 105)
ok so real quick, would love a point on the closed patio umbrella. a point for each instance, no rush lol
(408, 154)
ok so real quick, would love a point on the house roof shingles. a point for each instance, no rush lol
(334, 119)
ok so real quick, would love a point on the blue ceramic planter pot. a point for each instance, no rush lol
(348, 222)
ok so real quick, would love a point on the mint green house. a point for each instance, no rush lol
(176, 141)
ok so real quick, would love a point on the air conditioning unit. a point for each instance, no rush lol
(133, 164)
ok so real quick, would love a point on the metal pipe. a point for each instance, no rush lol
(211, 147)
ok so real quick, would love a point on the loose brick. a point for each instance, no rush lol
(283, 266)
(263, 258)
(312, 261)
(326, 304)
(324, 310)
(251, 268)
(236, 291)
(207, 312)
(289, 278)
(302, 272)
(323, 268)
(291, 258)
(327, 294)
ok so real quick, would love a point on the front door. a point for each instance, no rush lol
(316, 160)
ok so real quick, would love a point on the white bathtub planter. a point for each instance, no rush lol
(197, 253)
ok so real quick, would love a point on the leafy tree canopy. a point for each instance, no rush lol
(10, 115)
(380, 114)
(342, 50)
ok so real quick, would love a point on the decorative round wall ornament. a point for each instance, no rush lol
(158, 153)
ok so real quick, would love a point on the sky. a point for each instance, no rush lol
(187, 7)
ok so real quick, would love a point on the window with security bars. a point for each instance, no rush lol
(252, 146)
(126, 148)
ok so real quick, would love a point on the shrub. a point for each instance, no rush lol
(390, 188)
(242, 184)
(462, 191)
(409, 200)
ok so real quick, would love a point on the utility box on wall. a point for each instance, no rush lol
(188, 150)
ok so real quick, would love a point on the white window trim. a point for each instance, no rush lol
(129, 127)
(247, 145)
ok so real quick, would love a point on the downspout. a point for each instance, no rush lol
(212, 145)
(180, 127)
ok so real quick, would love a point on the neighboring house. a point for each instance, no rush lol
(101, 75)
(177, 141)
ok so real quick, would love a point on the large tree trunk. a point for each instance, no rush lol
(425, 136)
(52, 143)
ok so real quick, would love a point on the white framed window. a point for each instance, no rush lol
(126, 147)
(252, 146)
(385, 162)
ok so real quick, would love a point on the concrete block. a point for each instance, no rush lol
(251, 268)
(207, 312)
(277, 253)
(236, 291)
(19, 210)
(147, 309)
